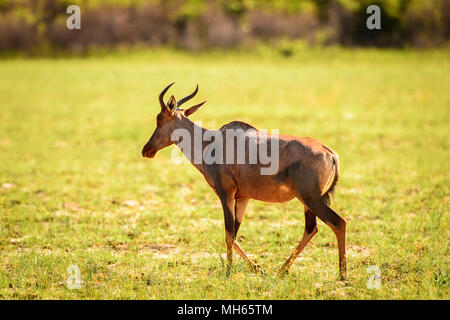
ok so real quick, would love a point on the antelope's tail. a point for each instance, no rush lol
(334, 177)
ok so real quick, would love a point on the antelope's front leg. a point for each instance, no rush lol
(239, 210)
(227, 201)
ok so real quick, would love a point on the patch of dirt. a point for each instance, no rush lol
(17, 240)
(72, 206)
(62, 213)
(358, 251)
(281, 224)
(205, 223)
(130, 203)
(8, 185)
(159, 247)
(153, 248)
(200, 255)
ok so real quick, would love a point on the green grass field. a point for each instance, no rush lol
(74, 189)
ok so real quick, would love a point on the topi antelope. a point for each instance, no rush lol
(307, 170)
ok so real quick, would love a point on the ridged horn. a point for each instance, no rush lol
(161, 96)
(187, 98)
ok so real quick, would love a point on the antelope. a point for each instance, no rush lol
(307, 170)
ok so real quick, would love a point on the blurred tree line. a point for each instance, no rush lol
(27, 25)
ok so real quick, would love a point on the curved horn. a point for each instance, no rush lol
(161, 96)
(189, 97)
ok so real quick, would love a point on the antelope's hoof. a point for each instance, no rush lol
(258, 269)
(283, 272)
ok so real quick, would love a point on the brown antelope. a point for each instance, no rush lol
(307, 170)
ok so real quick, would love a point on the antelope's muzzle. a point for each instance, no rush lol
(148, 152)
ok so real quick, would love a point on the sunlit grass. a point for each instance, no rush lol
(74, 189)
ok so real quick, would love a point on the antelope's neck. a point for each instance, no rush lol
(194, 146)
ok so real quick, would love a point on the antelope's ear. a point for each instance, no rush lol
(172, 104)
(191, 110)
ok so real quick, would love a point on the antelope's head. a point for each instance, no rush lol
(166, 121)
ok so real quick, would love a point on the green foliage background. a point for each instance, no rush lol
(38, 27)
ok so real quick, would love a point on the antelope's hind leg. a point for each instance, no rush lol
(240, 205)
(310, 230)
(310, 195)
(337, 224)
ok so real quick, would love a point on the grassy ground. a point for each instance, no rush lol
(74, 189)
